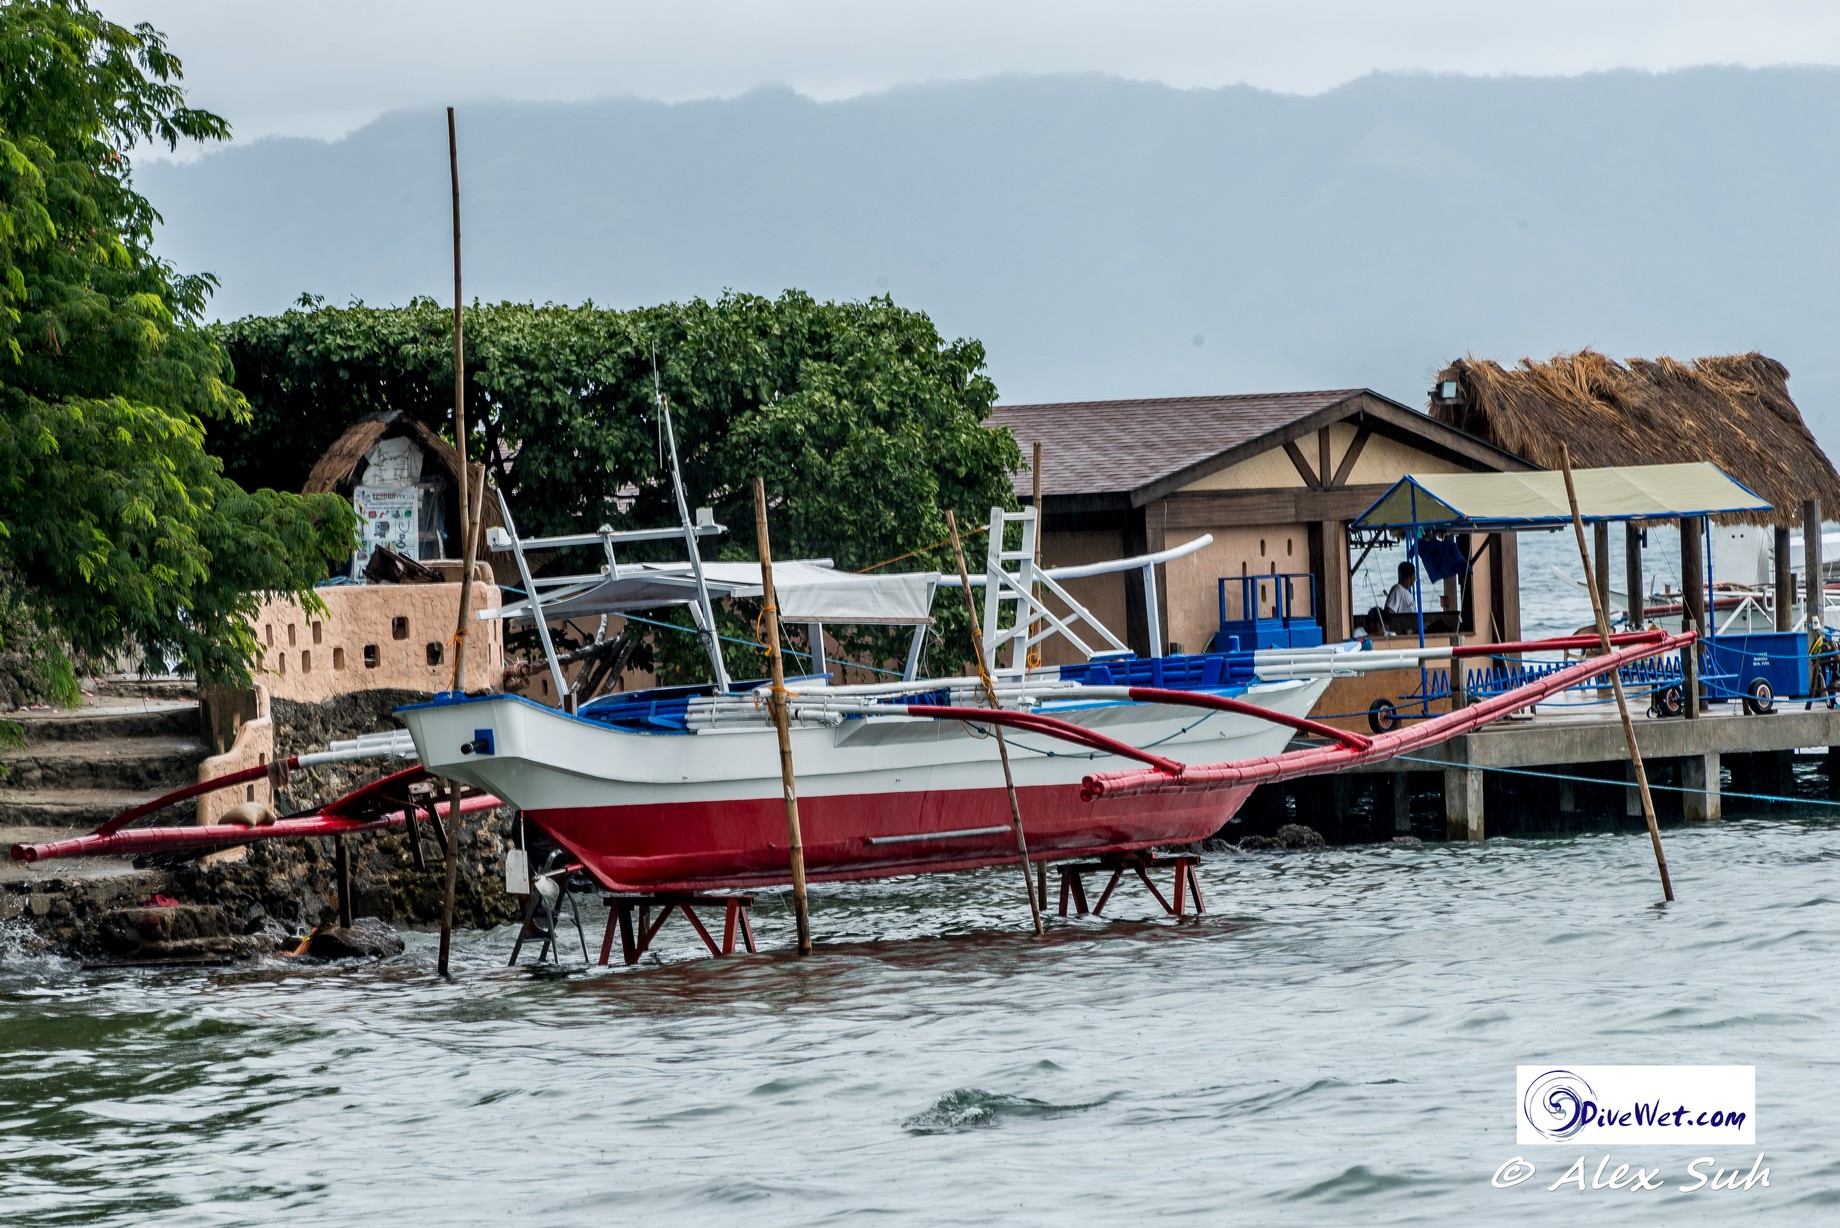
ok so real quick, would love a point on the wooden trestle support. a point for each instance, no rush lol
(631, 915)
(1187, 884)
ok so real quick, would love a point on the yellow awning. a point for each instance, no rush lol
(1537, 500)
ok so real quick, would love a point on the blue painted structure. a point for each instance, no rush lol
(1286, 628)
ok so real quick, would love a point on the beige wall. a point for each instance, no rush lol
(1103, 595)
(373, 636)
(1191, 604)
(253, 745)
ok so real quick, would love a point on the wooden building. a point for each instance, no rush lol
(1275, 478)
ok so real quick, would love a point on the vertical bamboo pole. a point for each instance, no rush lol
(1041, 867)
(453, 176)
(469, 551)
(990, 695)
(466, 578)
(776, 704)
(451, 849)
(1616, 680)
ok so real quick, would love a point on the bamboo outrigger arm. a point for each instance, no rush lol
(356, 813)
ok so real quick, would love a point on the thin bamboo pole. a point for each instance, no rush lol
(453, 175)
(451, 852)
(776, 702)
(1041, 868)
(468, 552)
(466, 545)
(990, 696)
(1616, 679)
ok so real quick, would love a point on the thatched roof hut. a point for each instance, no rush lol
(342, 468)
(1734, 411)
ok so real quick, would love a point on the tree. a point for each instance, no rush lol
(866, 424)
(118, 531)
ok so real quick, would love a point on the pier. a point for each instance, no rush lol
(1572, 752)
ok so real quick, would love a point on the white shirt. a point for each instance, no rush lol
(1399, 600)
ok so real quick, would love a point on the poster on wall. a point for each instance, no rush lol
(386, 517)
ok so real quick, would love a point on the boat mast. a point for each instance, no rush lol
(701, 612)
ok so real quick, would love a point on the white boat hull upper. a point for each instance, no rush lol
(878, 796)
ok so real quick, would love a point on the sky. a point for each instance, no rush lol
(325, 68)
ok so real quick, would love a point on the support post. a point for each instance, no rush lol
(795, 844)
(1600, 549)
(1332, 599)
(1402, 803)
(911, 670)
(1632, 575)
(1785, 581)
(1462, 803)
(341, 862)
(1814, 602)
(1616, 676)
(1699, 778)
(1693, 604)
(820, 664)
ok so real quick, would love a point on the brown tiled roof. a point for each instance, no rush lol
(1104, 447)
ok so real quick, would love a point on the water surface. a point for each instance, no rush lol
(1334, 1044)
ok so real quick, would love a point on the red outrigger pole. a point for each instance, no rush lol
(1316, 760)
(378, 806)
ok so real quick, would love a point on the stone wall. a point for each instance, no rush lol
(377, 637)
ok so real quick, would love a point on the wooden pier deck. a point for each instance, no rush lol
(1757, 749)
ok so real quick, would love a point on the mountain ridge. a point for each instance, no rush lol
(1105, 237)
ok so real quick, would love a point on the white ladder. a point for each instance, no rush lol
(1034, 621)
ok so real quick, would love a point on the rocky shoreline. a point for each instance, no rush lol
(277, 893)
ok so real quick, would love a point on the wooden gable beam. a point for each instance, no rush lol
(1303, 466)
(1342, 470)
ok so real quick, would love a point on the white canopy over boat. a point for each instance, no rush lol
(809, 592)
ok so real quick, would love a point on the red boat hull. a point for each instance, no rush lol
(703, 846)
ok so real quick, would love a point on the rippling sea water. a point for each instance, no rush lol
(1334, 1043)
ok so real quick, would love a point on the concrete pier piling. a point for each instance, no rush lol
(1687, 754)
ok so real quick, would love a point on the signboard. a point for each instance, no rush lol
(386, 517)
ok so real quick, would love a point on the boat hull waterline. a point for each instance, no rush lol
(878, 797)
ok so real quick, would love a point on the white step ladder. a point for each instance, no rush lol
(1034, 621)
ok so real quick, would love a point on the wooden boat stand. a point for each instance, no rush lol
(637, 932)
(1187, 884)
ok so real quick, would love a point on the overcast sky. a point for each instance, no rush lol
(326, 67)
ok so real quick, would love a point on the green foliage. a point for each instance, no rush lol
(866, 425)
(117, 530)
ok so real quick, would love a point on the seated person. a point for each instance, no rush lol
(1373, 626)
(1401, 605)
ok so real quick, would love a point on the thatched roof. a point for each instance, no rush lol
(337, 470)
(1734, 411)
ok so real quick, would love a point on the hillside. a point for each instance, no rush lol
(1105, 237)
